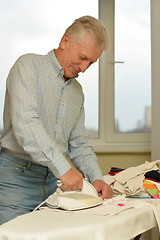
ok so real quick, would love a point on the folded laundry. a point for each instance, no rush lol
(130, 180)
(153, 175)
(114, 170)
(151, 189)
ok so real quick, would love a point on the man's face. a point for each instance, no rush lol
(78, 56)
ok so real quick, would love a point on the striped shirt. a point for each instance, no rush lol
(44, 117)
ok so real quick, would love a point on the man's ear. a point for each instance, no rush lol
(65, 41)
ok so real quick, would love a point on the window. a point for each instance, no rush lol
(115, 120)
(125, 94)
(132, 66)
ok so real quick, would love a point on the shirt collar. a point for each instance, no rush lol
(57, 66)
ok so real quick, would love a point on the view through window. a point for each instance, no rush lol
(37, 26)
(132, 66)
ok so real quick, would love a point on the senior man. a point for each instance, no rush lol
(44, 122)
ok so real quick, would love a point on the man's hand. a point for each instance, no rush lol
(103, 188)
(72, 180)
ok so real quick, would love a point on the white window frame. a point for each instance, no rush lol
(108, 140)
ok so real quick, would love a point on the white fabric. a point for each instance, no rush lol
(112, 206)
(109, 179)
(155, 205)
(55, 224)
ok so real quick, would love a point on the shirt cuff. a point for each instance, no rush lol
(59, 166)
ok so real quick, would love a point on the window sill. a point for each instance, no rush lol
(103, 147)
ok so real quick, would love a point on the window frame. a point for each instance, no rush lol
(108, 140)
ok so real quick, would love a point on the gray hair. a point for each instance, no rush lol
(94, 27)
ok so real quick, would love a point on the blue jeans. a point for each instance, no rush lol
(23, 185)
